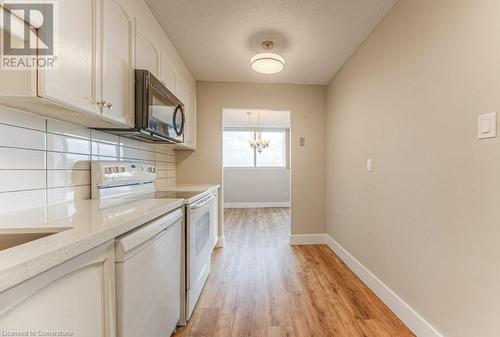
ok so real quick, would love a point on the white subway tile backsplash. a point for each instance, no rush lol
(161, 148)
(13, 136)
(67, 129)
(67, 178)
(130, 153)
(161, 174)
(21, 159)
(104, 137)
(147, 155)
(17, 180)
(147, 146)
(45, 161)
(67, 161)
(67, 194)
(162, 183)
(161, 165)
(61, 143)
(22, 119)
(105, 149)
(14, 201)
(103, 158)
(130, 143)
(161, 157)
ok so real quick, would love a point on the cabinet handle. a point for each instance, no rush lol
(108, 106)
(102, 104)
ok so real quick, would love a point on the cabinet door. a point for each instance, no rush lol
(72, 81)
(117, 63)
(189, 99)
(75, 297)
(168, 77)
(15, 82)
(147, 56)
(192, 121)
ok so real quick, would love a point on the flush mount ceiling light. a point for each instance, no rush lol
(267, 63)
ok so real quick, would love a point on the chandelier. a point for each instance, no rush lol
(257, 143)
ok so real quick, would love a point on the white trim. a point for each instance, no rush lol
(220, 241)
(256, 204)
(308, 239)
(416, 323)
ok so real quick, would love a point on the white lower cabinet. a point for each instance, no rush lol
(76, 297)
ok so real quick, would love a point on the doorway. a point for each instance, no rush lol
(256, 161)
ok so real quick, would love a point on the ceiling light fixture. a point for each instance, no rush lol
(267, 63)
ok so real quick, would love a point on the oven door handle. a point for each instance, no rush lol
(203, 202)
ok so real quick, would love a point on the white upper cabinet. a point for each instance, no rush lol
(167, 76)
(147, 55)
(182, 91)
(97, 46)
(118, 63)
(72, 82)
(91, 83)
(189, 100)
(192, 121)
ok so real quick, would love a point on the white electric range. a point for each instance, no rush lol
(134, 180)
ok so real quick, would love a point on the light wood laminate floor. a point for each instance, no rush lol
(260, 286)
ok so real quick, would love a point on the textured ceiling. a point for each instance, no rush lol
(216, 38)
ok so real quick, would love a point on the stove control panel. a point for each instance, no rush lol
(109, 174)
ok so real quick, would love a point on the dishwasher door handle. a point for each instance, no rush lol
(202, 202)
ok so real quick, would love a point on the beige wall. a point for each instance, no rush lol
(427, 220)
(307, 105)
(247, 186)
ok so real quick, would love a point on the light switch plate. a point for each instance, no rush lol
(369, 165)
(487, 125)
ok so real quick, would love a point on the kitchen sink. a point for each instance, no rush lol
(11, 240)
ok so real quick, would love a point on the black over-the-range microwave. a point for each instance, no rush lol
(159, 115)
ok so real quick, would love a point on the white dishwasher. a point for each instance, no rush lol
(148, 278)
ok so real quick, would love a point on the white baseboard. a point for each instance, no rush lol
(257, 205)
(308, 239)
(416, 323)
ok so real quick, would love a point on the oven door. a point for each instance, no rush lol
(198, 249)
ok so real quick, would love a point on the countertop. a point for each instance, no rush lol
(79, 226)
(190, 188)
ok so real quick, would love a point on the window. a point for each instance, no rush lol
(238, 153)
